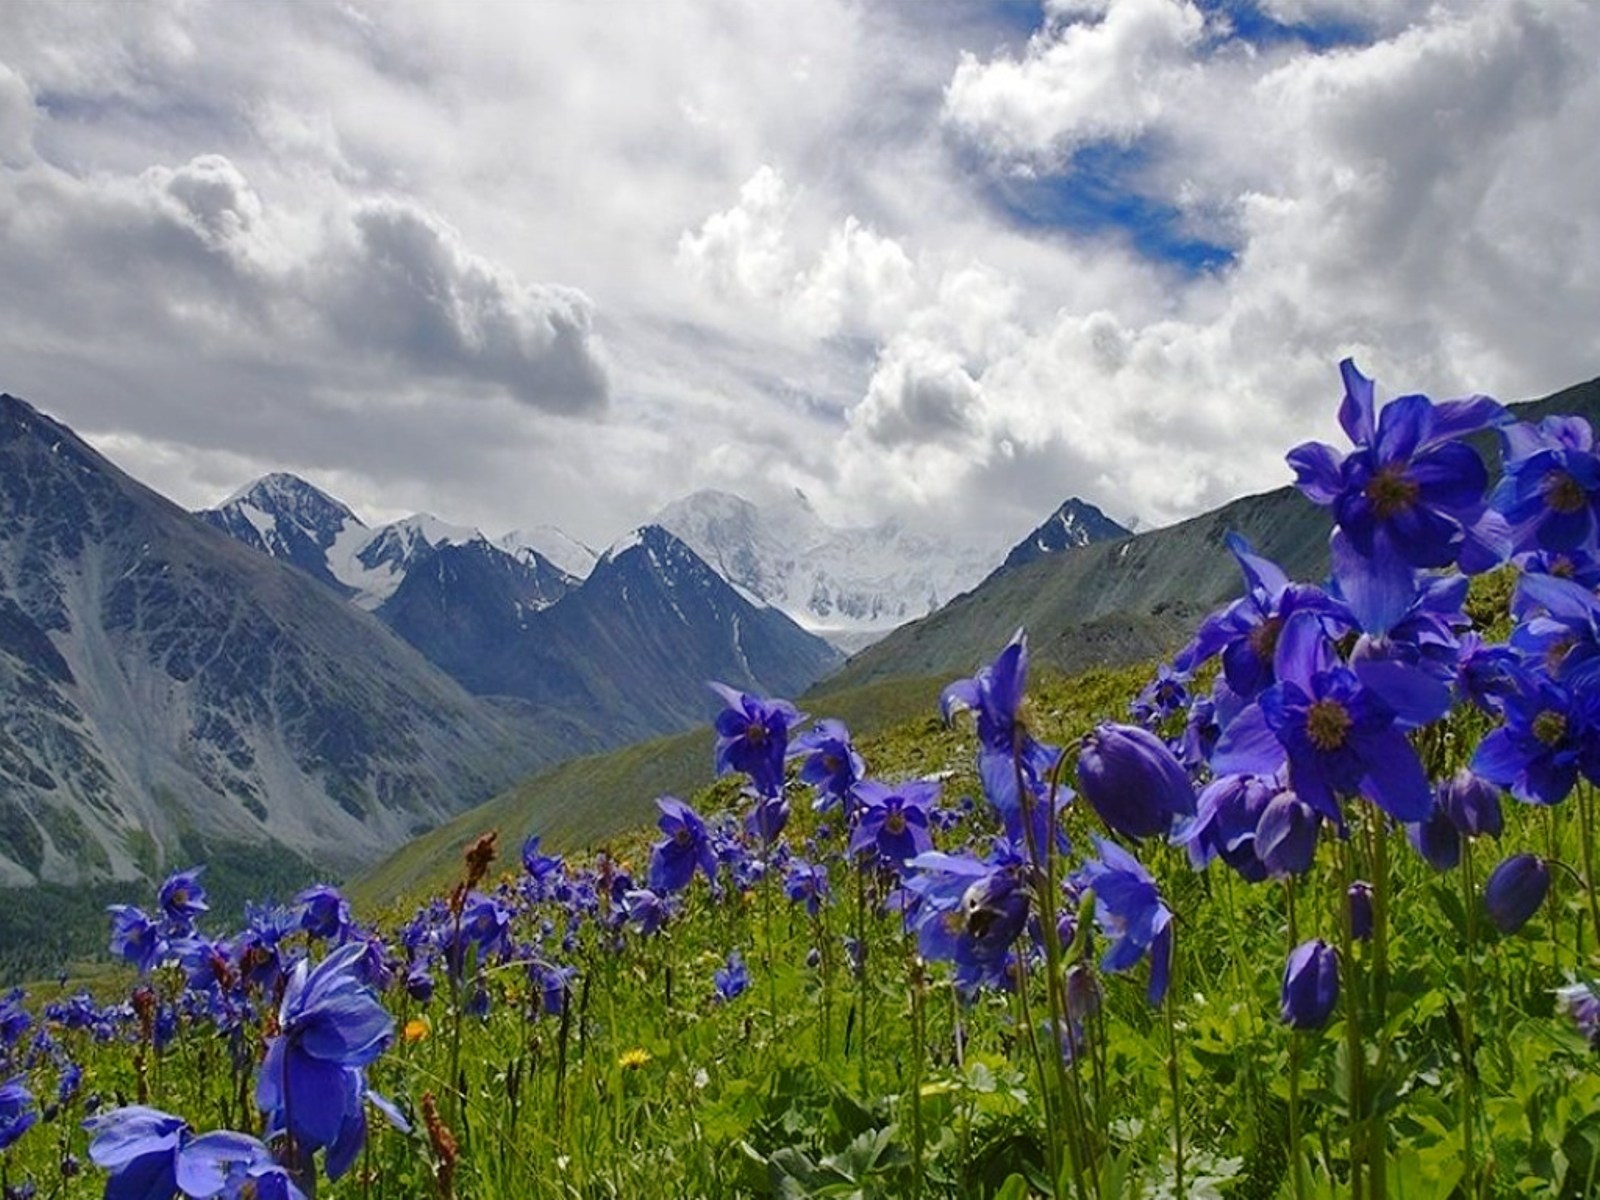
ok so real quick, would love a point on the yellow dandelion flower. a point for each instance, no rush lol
(631, 1059)
(417, 1028)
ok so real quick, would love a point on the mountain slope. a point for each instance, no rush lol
(286, 517)
(164, 687)
(1114, 603)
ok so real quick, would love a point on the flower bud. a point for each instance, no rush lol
(1437, 839)
(1286, 836)
(1360, 896)
(1310, 985)
(1133, 781)
(1515, 890)
(1473, 805)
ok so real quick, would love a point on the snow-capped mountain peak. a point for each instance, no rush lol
(554, 546)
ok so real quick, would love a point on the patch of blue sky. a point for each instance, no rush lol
(1100, 193)
(1246, 22)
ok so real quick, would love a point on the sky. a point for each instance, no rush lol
(520, 263)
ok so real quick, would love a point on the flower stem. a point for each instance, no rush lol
(1173, 1077)
(1469, 1065)
(1586, 834)
(1354, 1051)
(1296, 1164)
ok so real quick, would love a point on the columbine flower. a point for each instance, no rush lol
(753, 737)
(324, 912)
(829, 763)
(135, 937)
(731, 980)
(806, 883)
(1286, 836)
(139, 1146)
(1437, 839)
(1008, 756)
(1550, 735)
(892, 822)
(1472, 804)
(1515, 890)
(1224, 825)
(968, 912)
(232, 1166)
(1130, 912)
(686, 846)
(1310, 985)
(1550, 492)
(1133, 781)
(645, 909)
(1409, 487)
(17, 1113)
(1581, 1002)
(537, 864)
(330, 1027)
(1359, 897)
(182, 898)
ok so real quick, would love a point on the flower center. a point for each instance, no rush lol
(895, 823)
(756, 735)
(1563, 493)
(1390, 492)
(1550, 727)
(682, 836)
(1327, 723)
(1264, 638)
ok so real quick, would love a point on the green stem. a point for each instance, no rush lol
(919, 1034)
(1469, 1064)
(1173, 1077)
(1051, 1115)
(1296, 1164)
(1586, 835)
(1377, 1134)
(1354, 1051)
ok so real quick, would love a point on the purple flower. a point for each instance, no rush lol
(330, 1027)
(1436, 838)
(753, 737)
(731, 980)
(1472, 804)
(1550, 735)
(324, 912)
(232, 1166)
(182, 898)
(1359, 897)
(1409, 486)
(645, 909)
(1310, 985)
(1580, 1002)
(687, 845)
(1550, 492)
(139, 1146)
(1515, 890)
(1286, 836)
(829, 762)
(1133, 781)
(1130, 912)
(135, 937)
(968, 912)
(17, 1113)
(538, 865)
(806, 883)
(892, 821)
(1224, 825)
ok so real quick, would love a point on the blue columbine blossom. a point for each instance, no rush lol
(1581, 1002)
(753, 737)
(969, 912)
(1558, 629)
(892, 822)
(1550, 492)
(139, 1146)
(324, 912)
(731, 980)
(331, 1027)
(182, 898)
(1410, 492)
(806, 883)
(673, 860)
(1010, 761)
(1286, 836)
(1551, 735)
(232, 1166)
(1224, 825)
(135, 938)
(1515, 890)
(829, 763)
(1130, 911)
(17, 1113)
(536, 863)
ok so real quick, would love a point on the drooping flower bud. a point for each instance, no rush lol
(1286, 836)
(1515, 890)
(1310, 985)
(1437, 839)
(1360, 899)
(1133, 781)
(1473, 805)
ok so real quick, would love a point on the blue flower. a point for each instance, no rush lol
(17, 1113)
(829, 762)
(1130, 911)
(806, 883)
(1550, 735)
(139, 1146)
(753, 737)
(1550, 492)
(1133, 781)
(1310, 985)
(324, 912)
(1515, 890)
(182, 898)
(232, 1166)
(330, 1027)
(135, 938)
(686, 846)
(731, 980)
(892, 822)
(1286, 836)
